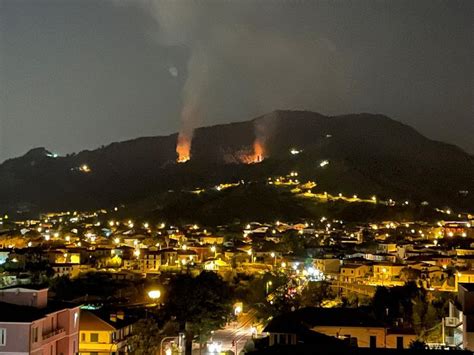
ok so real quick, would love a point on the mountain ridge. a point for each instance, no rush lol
(366, 153)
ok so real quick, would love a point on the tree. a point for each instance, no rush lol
(200, 304)
(146, 337)
(315, 293)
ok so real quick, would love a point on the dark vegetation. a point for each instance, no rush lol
(368, 154)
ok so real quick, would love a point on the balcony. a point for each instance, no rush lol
(57, 333)
(452, 322)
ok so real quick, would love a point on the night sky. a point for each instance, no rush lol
(78, 74)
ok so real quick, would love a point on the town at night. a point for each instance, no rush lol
(206, 177)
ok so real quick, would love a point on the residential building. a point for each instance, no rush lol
(31, 325)
(150, 261)
(353, 272)
(354, 326)
(104, 333)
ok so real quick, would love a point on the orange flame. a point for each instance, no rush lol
(258, 152)
(183, 148)
(256, 155)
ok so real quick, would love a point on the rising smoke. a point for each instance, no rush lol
(236, 54)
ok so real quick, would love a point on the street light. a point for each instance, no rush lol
(273, 255)
(268, 284)
(237, 310)
(154, 294)
(214, 250)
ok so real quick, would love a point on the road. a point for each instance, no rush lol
(239, 331)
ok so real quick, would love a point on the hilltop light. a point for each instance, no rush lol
(85, 168)
(323, 163)
(294, 151)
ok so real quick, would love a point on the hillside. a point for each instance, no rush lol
(366, 155)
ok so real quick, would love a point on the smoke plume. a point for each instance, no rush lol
(233, 54)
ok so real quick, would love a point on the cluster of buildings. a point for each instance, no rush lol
(352, 257)
(30, 323)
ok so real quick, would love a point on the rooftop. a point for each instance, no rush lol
(26, 314)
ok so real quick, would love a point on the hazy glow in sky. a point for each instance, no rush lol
(77, 74)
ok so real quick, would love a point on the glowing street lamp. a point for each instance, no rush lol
(237, 310)
(249, 252)
(273, 255)
(154, 294)
(267, 285)
(214, 250)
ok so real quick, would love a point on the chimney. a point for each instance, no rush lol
(120, 315)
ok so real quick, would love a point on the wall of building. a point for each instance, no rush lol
(23, 297)
(362, 334)
(103, 343)
(17, 338)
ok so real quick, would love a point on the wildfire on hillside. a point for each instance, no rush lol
(258, 152)
(183, 148)
(255, 156)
